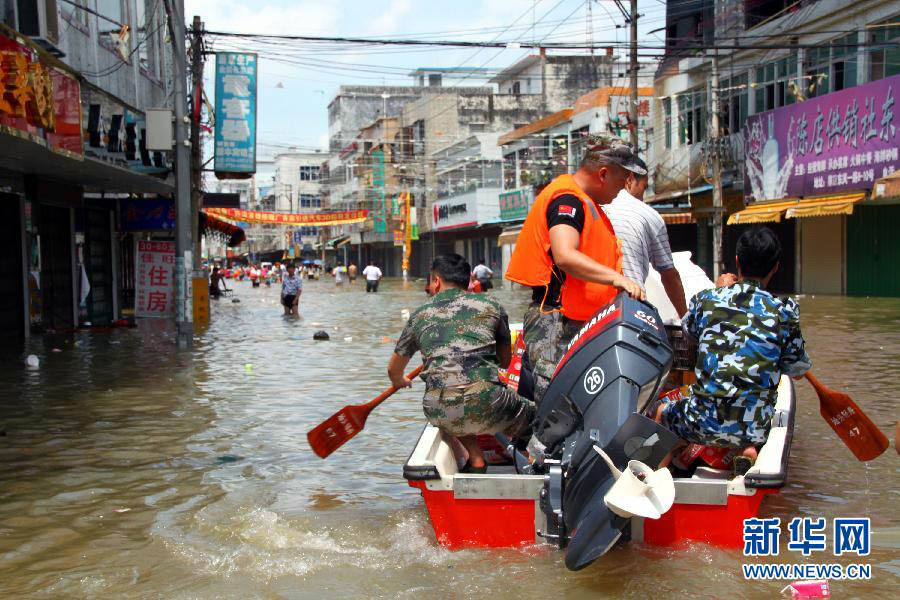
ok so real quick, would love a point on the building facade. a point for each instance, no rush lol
(794, 83)
(76, 88)
(297, 188)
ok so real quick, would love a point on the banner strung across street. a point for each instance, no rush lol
(235, 134)
(271, 218)
(155, 279)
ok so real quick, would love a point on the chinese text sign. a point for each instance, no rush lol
(235, 133)
(155, 279)
(835, 143)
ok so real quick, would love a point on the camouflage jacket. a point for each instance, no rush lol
(457, 334)
(747, 340)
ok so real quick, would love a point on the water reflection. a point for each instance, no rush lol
(129, 469)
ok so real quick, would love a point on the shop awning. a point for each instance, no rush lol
(94, 175)
(797, 207)
(230, 234)
(823, 207)
(680, 218)
(509, 236)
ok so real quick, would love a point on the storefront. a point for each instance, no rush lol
(815, 165)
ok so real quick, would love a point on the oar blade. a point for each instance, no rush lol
(852, 425)
(336, 430)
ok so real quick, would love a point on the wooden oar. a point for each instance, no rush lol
(333, 432)
(851, 424)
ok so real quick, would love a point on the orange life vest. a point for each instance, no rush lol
(531, 264)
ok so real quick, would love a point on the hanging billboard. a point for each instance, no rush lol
(235, 132)
(838, 142)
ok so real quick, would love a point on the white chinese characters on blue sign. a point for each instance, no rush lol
(235, 132)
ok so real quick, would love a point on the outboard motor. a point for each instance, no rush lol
(612, 370)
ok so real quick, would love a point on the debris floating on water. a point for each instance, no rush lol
(57, 350)
(228, 458)
(348, 339)
(32, 361)
(404, 314)
(248, 367)
(321, 335)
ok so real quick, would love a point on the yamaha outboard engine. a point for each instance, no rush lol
(613, 368)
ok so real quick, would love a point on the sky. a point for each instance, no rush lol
(297, 81)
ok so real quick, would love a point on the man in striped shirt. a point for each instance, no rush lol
(642, 233)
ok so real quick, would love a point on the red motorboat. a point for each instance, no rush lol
(614, 370)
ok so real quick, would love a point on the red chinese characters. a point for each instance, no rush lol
(155, 279)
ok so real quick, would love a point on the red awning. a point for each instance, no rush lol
(211, 226)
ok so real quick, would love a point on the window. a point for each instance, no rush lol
(309, 173)
(517, 88)
(692, 117)
(434, 80)
(761, 11)
(306, 231)
(147, 37)
(885, 59)
(509, 171)
(111, 9)
(844, 56)
(831, 67)
(772, 83)
(310, 201)
(734, 98)
(667, 112)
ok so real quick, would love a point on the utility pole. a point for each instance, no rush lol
(713, 149)
(184, 261)
(633, 112)
(196, 149)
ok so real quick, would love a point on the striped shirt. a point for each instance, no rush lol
(642, 233)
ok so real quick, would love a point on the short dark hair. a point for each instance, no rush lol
(758, 251)
(453, 269)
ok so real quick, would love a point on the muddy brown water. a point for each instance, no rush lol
(128, 469)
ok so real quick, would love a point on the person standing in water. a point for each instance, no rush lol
(291, 288)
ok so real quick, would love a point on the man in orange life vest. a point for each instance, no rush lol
(568, 254)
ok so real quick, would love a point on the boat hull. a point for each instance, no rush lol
(502, 508)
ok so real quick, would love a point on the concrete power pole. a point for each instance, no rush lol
(633, 112)
(184, 260)
(196, 148)
(713, 149)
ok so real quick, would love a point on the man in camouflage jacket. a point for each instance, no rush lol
(747, 340)
(463, 339)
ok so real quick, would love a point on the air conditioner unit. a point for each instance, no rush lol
(39, 20)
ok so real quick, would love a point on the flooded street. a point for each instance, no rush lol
(128, 469)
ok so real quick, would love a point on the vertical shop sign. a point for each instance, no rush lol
(155, 280)
(235, 133)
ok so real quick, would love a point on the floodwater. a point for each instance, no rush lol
(128, 469)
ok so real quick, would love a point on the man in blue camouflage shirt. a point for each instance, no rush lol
(747, 340)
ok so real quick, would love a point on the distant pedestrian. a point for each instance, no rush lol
(352, 272)
(338, 273)
(291, 288)
(483, 274)
(373, 276)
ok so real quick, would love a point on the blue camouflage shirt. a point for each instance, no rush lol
(747, 340)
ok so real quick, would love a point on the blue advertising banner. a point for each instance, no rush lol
(147, 214)
(235, 133)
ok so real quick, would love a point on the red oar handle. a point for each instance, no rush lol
(391, 390)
